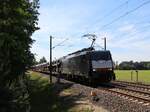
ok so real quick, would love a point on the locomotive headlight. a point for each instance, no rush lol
(94, 70)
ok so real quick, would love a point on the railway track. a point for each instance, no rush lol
(129, 96)
(134, 83)
(128, 93)
(134, 86)
(134, 92)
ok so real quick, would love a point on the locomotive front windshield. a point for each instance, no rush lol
(101, 55)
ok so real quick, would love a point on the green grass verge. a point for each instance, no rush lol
(43, 99)
(125, 75)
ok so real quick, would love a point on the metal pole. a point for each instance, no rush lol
(105, 43)
(136, 75)
(50, 68)
(131, 75)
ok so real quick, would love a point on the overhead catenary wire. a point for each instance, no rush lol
(113, 10)
(125, 14)
(135, 33)
(131, 35)
(60, 44)
(126, 34)
(110, 13)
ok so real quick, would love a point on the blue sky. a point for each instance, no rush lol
(127, 38)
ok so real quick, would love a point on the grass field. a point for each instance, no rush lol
(125, 75)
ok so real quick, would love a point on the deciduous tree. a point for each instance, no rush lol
(18, 21)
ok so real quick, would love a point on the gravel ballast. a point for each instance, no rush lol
(108, 101)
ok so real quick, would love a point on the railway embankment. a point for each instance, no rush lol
(69, 96)
(62, 97)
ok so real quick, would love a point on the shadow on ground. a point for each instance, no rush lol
(47, 98)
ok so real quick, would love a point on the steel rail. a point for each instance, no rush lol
(132, 84)
(145, 100)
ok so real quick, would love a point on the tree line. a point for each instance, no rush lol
(130, 65)
(42, 60)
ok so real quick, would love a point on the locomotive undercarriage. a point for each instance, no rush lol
(92, 79)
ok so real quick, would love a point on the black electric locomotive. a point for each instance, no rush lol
(87, 64)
